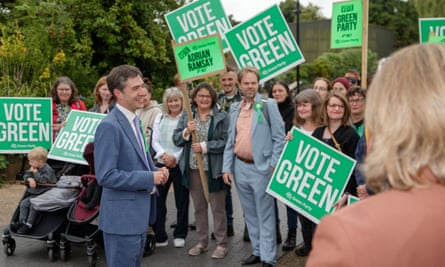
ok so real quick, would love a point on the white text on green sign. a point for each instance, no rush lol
(198, 19)
(266, 42)
(431, 29)
(346, 29)
(310, 176)
(75, 135)
(24, 124)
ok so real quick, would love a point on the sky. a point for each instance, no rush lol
(245, 9)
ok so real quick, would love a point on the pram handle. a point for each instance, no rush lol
(55, 185)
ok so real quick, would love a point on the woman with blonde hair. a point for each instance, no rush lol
(402, 225)
(168, 155)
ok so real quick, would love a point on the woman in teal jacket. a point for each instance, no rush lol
(210, 126)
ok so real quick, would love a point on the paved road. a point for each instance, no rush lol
(33, 253)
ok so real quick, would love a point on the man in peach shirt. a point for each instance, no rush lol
(253, 147)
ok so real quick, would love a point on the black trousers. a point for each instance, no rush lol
(182, 206)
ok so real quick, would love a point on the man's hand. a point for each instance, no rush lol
(227, 178)
(160, 176)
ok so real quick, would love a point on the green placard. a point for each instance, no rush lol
(75, 135)
(266, 42)
(431, 30)
(25, 123)
(310, 176)
(199, 58)
(347, 24)
(198, 19)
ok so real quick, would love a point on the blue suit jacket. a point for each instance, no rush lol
(123, 172)
(267, 140)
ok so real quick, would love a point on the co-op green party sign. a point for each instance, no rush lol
(310, 176)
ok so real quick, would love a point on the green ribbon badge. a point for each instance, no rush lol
(258, 107)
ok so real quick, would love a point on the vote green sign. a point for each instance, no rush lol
(432, 30)
(74, 136)
(266, 42)
(346, 24)
(198, 19)
(310, 176)
(25, 123)
(199, 58)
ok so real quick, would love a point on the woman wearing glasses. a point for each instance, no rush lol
(322, 86)
(64, 94)
(337, 133)
(210, 126)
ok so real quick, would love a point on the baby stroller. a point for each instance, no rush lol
(82, 228)
(51, 220)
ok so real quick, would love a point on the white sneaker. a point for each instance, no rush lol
(179, 242)
(162, 244)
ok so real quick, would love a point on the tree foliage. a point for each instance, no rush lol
(83, 40)
(307, 13)
(430, 8)
(397, 15)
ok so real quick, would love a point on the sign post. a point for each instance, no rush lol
(25, 123)
(346, 24)
(432, 30)
(74, 136)
(265, 42)
(310, 176)
(197, 59)
(198, 19)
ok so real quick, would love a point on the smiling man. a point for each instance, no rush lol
(252, 150)
(125, 171)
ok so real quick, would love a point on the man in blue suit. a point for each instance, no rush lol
(255, 141)
(125, 171)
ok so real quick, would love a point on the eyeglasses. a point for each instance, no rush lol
(352, 80)
(356, 100)
(316, 88)
(336, 106)
(204, 96)
(63, 89)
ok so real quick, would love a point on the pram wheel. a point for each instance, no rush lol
(64, 250)
(150, 245)
(9, 246)
(51, 254)
(92, 260)
(92, 254)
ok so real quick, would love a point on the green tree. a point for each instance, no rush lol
(430, 8)
(85, 39)
(397, 15)
(307, 13)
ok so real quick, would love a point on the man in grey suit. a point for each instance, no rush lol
(125, 171)
(255, 141)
